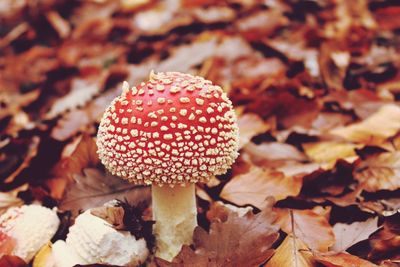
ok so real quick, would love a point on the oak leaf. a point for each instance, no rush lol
(308, 226)
(256, 185)
(231, 241)
(349, 234)
(379, 172)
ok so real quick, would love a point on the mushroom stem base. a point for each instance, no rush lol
(175, 213)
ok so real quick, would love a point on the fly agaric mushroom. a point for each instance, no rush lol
(170, 132)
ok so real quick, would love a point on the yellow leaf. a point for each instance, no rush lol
(375, 129)
(291, 253)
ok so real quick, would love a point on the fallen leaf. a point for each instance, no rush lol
(82, 90)
(256, 185)
(375, 129)
(349, 234)
(83, 156)
(342, 260)
(379, 172)
(273, 154)
(292, 252)
(386, 243)
(236, 241)
(313, 229)
(328, 152)
(250, 125)
(93, 188)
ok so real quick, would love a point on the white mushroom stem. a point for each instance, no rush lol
(175, 213)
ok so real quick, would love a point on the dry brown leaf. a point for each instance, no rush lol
(375, 129)
(379, 172)
(349, 234)
(386, 243)
(342, 260)
(328, 152)
(313, 229)
(258, 184)
(93, 188)
(250, 125)
(233, 241)
(292, 252)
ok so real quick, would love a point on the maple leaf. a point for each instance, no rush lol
(379, 172)
(342, 260)
(292, 252)
(256, 185)
(233, 241)
(349, 234)
(94, 188)
(375, 129)
(250, 125)
(308, 226)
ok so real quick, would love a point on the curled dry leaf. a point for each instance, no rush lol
(292, 252)
(349, 234)
(250, 125)
(342, 260)
(256, 185)
(379, 172)
(232, 241)
(375, 129)
(308, 226)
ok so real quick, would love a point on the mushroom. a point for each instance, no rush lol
(170, 132)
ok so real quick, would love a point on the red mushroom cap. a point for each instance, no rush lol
(174, 129)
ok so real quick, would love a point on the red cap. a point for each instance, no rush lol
(174, 129)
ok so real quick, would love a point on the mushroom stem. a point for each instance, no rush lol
(175, 213)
